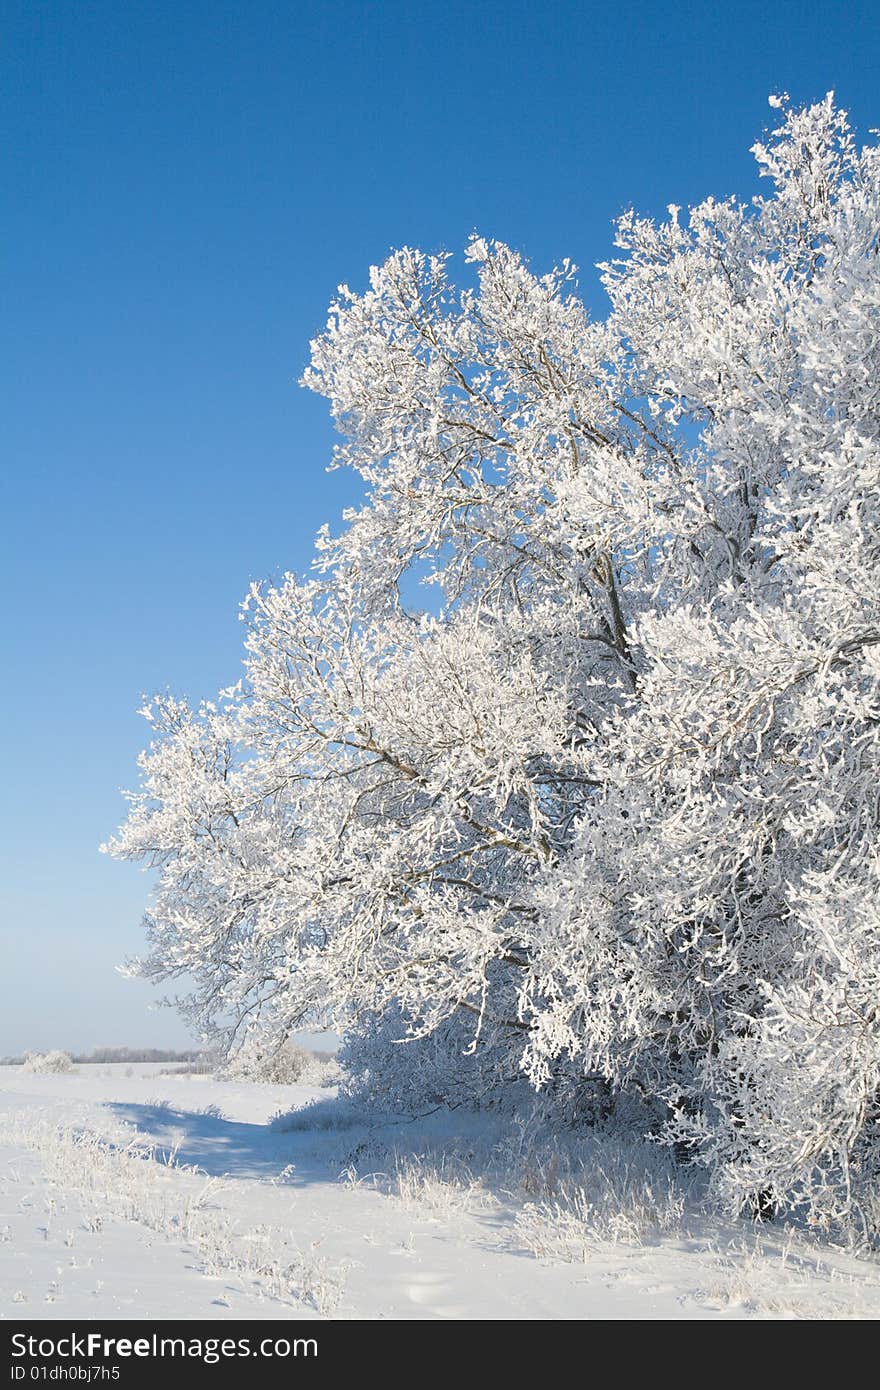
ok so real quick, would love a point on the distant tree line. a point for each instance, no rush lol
(123, 1054)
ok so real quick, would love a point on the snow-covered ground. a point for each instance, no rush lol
(126, 1191)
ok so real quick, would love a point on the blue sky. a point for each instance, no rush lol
(185, 185)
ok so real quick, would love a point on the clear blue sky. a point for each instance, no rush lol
(184, 187)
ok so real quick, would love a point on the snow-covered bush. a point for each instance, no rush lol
(284, 1064)
(48, 1062)
(604, 814)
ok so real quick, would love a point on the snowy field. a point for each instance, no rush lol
(126, 1191)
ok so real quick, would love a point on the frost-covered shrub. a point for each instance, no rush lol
(45, 1062)
(603, 817)
(286, 1064)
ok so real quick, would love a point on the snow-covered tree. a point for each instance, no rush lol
(607, 808)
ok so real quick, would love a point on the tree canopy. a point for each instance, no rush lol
(604, 809)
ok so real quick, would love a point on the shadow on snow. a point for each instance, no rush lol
(225, 1148)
